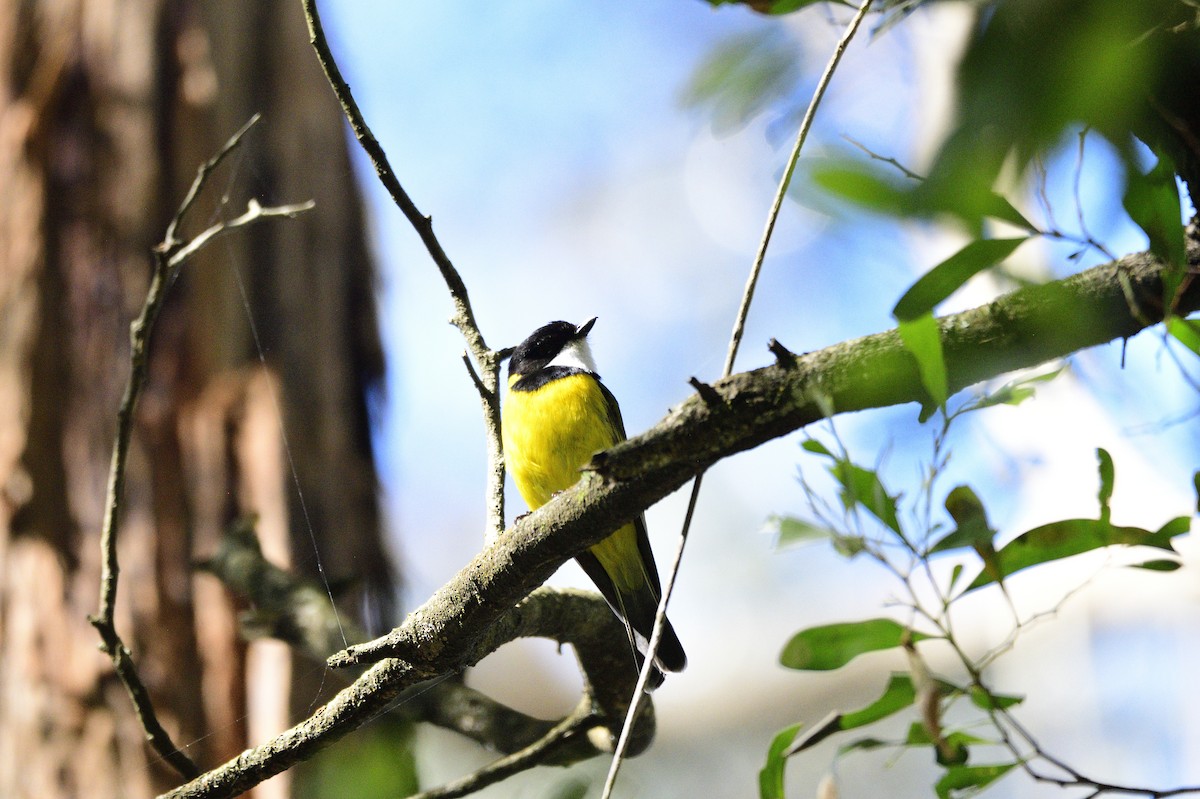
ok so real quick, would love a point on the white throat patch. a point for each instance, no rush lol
(576, 354)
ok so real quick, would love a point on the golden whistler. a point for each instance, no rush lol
(557, 415)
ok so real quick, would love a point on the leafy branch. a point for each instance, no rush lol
(907, 556)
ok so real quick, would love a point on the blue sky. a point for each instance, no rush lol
(565, 180)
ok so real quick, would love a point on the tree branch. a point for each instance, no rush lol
(1021, 329)
(168, 255)
(488, 360)
(253, 213)
(296, 611)
(515, 763)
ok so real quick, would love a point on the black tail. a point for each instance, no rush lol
(636, 607)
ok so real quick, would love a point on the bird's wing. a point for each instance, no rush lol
(614, 412)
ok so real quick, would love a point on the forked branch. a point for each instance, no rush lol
(168, 256)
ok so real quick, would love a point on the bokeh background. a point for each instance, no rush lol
(574, 167)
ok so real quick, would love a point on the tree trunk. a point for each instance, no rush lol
(107, 108)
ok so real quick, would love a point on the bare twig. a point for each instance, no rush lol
(655, 638)
(785, 180)
(735, 340)
(463, 318)
(887, 159)
(489, 398)
(170, 240)
(253, 213)
(168, 255)
(534, 754)
(1084, 233)
(1002, 719)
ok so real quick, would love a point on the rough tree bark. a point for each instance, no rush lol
(106, 109)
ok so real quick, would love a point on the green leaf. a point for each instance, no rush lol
(770, 778)
(953, 753)
(817, 733)
(989, 700)
(777, 7)
(970, 518)
(874, 190)
(1063, 539)
(1000, 208)
(863, 487)
(789, 530)
(917, 735)
(863, 744)
(957, 742)
(948, 276)
(961, 779)
(377, 764)
(816, 447)
(923, 340)
(742, 76)
(849, 546)
(1034, 71)
(863, 185)
(1152, 201)
(954, 575)
(1107, 476)
(1014, 392)
(898, 695)
(1186, 332)
(834, 645)
(860, 487)
(1158, 565)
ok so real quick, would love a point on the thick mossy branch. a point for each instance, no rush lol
(1021, 329)
(449, 631)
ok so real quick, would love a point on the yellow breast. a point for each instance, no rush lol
(550, 432)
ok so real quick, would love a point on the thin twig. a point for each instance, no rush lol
(1074, 778)
(1076, 179)
(463, 317)
(168, 255)
(887, 159)
(253, 213)
(739, 324)
(518, 761)
(489, 398)
(735, 340)
(639, 691)
(169, 240)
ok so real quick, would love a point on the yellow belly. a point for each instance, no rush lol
(553, 431)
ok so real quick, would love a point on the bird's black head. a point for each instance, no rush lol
(544, 345)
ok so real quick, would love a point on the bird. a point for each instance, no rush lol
(556, 416)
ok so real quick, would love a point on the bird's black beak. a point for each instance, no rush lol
(585, 328)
